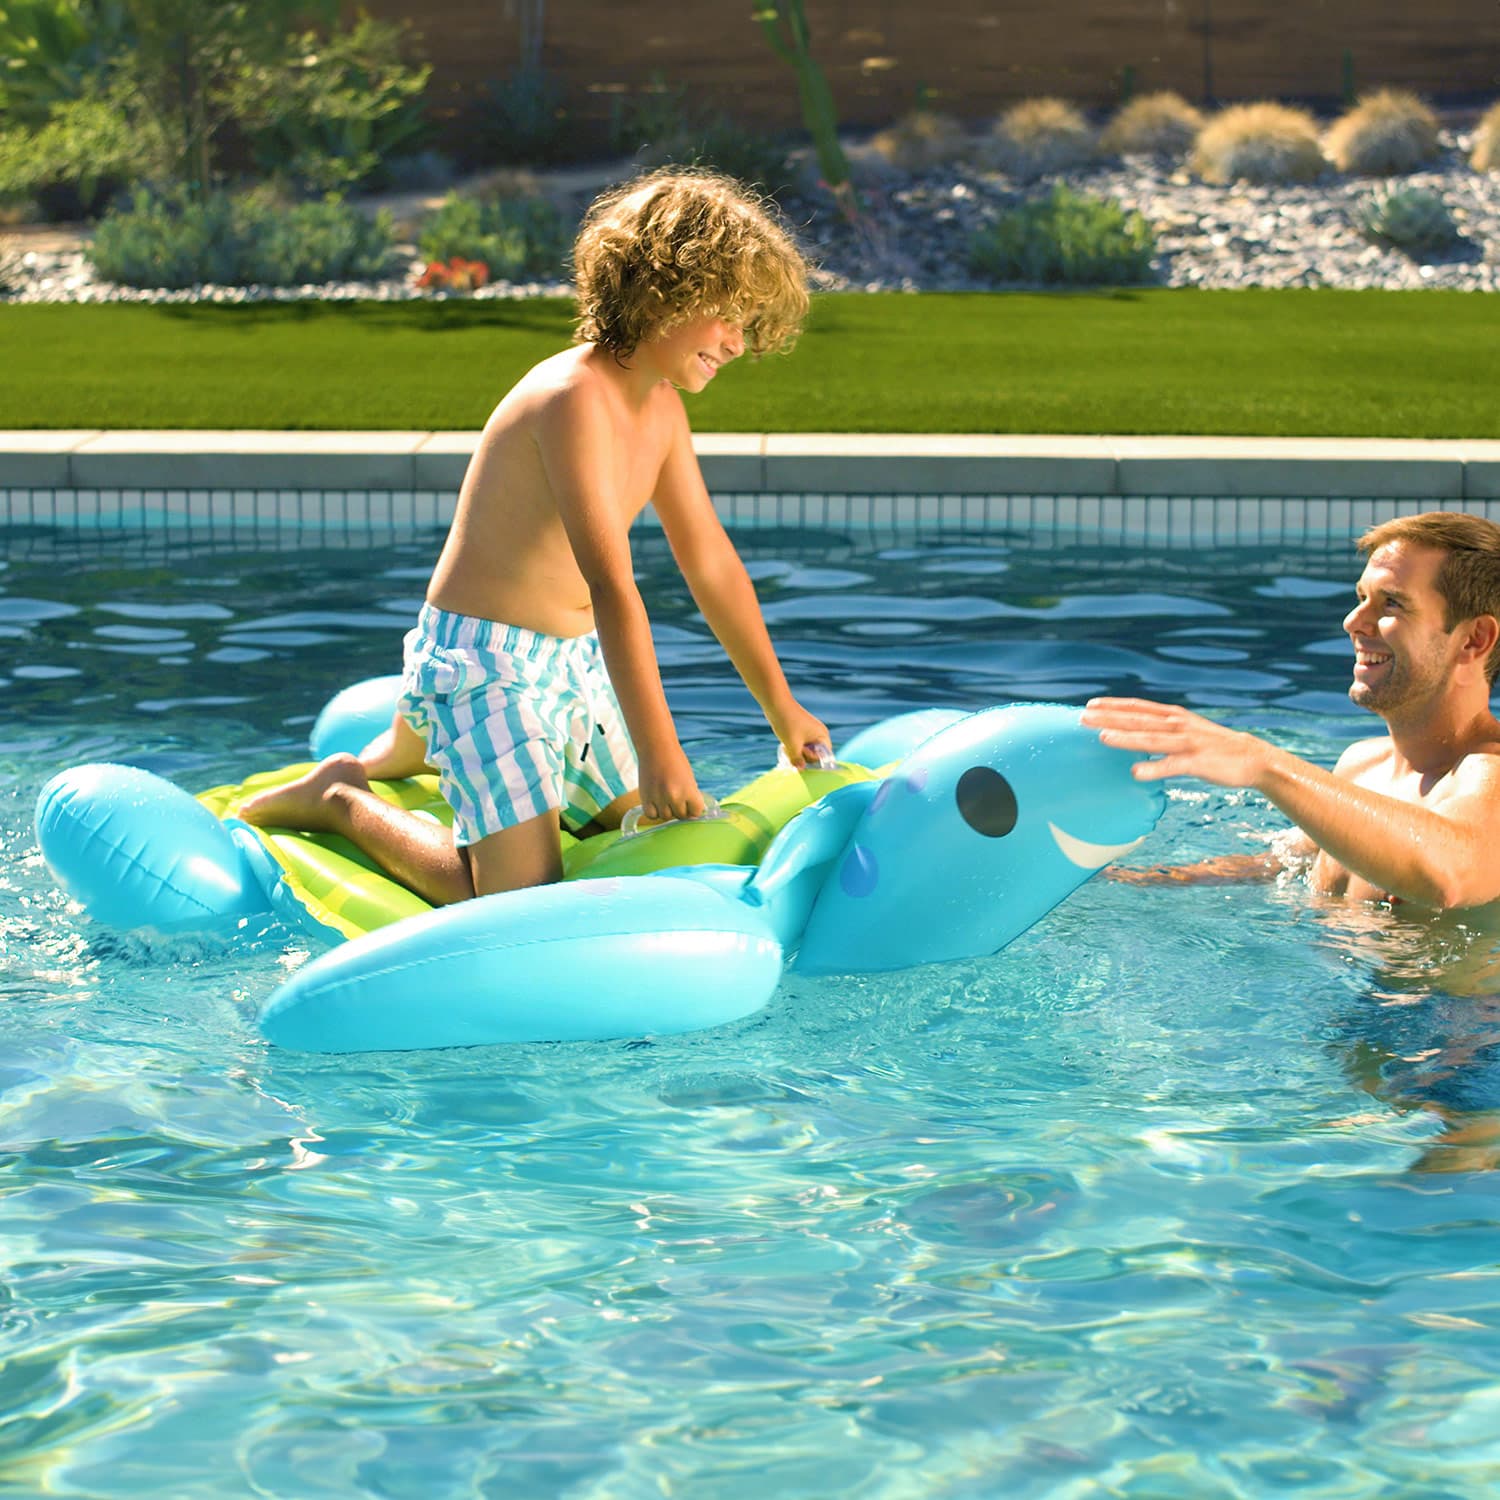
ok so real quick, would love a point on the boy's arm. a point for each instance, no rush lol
(722, 589)
(1448, 858)
(576, 442)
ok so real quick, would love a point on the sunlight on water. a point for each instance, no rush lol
(1188, 1193)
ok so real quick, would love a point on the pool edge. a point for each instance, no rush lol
(776, 463)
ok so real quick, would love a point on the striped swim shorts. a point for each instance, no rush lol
(518, 724)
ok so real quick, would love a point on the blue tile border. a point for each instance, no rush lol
(338, 518)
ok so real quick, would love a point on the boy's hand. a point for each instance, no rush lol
(669, 789)
(801, 735)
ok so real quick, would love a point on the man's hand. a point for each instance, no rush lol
(669, 789)
(1187, 743)
(801, 735)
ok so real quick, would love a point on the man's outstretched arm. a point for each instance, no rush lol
(1441, 859)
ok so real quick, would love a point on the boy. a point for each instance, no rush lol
(531, 672)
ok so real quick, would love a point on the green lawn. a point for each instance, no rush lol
(1299, 363)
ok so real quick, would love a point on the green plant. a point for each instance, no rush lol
(717, 142)
(185, 59)
(784, 23)
(660, 127)
(1039, 137)
(1385, 134)
(10, 272)
(1066, 239)
(1162, 124)
(658, 112)
(1410, 219)
(53, 51)
(922, 139)
(173, 241)
(327, 111)
(80, 157)
(513, 237)
(1485, 156)
(1262, 142)
(323, 240)
(522, 121)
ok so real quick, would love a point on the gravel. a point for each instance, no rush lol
(914, 234)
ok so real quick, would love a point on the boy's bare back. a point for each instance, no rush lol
(509, 556)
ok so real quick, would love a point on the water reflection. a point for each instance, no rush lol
(1425, 1034)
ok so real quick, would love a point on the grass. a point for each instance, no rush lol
(1255, 363)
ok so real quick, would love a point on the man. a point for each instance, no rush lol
(1412, 816)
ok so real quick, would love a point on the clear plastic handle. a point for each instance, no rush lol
(822, 758)
(630, 824)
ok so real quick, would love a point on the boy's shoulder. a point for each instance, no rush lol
(579, 379)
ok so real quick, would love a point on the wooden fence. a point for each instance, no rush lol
(971, 59)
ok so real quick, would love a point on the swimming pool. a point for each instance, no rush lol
(1179, 1196)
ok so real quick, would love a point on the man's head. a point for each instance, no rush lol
(1426, 620)
(680, 245)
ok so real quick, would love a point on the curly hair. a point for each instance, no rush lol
(677, 244)
(1468, 578)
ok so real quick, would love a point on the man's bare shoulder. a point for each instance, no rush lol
(1363, 756)
(1480, 766)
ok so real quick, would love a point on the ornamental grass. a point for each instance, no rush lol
(1486, 153)
(1386, 134)
(921, 140)
(1039, 138)
(1259, 143)
(1162, 125)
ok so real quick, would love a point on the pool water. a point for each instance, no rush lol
(1188, 1193)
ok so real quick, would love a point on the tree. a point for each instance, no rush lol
(187, 54)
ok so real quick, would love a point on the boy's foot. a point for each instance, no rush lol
(305, 803)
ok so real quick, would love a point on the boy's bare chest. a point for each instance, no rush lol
(639, 453)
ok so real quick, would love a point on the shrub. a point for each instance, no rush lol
(921, 140)
(659, 129)
(172, 242)
(54, 51)
(512, 236)
(10, 272)
(1163, 124)
(418, 172)
(638, 122)
(1038, 137)
(520, 122)
(327, 114)
(1409, 218)
(1486, 153)
(1066, 239)
(324, 240)
(749, 156)
(79, 158)
(1385, 134)
(1259, 143)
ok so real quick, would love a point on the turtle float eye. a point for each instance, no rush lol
(986, 802)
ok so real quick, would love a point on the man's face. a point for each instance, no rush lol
(1403, 654)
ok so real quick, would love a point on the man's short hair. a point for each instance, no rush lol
(679, 244)
(1468, 579)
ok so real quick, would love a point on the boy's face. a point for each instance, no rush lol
(692, 353)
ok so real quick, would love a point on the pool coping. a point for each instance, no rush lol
(776, 463)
